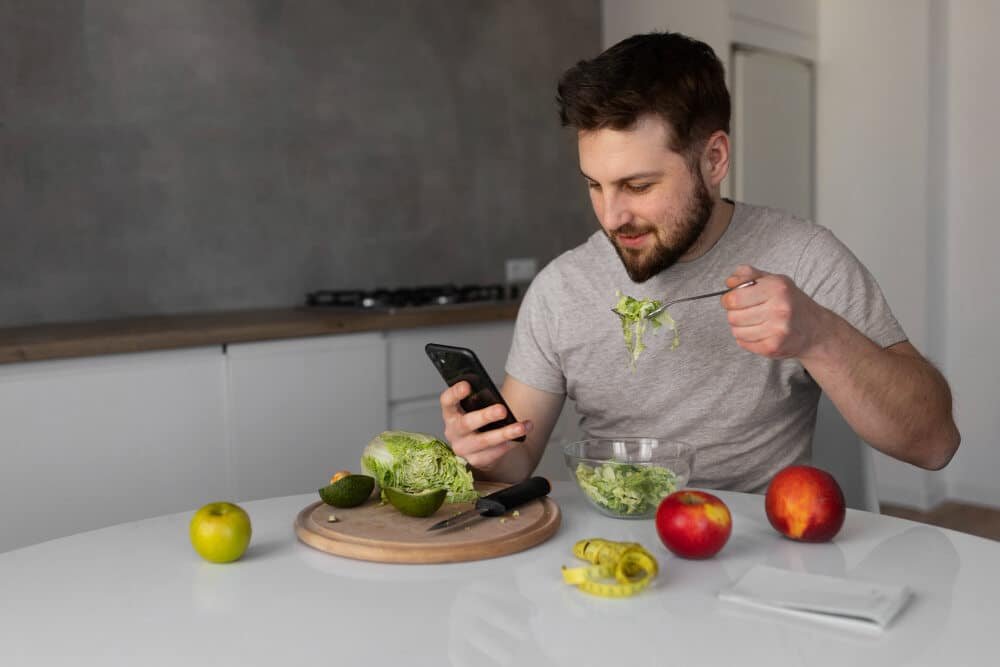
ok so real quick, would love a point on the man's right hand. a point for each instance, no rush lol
(481, 450)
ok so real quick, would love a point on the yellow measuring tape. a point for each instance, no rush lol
(628, 563)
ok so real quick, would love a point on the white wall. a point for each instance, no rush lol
(972, 243)
(788, 26)
(909, 101)
(872, 141)
(873, 157)
(707, 20)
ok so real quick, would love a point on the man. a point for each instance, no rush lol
(652, 120)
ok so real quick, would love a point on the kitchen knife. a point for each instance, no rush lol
(499, 502)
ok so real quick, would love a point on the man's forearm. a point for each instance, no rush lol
(894, 399)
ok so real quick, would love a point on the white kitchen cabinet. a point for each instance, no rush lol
(422, 415)
(103, 440)
(414, 384)
(411, 374)
(92, 442)
(302, 409)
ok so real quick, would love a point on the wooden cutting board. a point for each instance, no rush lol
(377, 532)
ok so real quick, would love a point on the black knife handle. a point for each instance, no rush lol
(503, 500)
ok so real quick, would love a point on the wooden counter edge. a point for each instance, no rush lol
(167, 332)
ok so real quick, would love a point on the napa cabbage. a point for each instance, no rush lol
(415, 462)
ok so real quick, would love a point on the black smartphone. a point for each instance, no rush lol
(458, 363)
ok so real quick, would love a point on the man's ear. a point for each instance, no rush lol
(715, 158)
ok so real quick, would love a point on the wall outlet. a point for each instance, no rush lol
(521, 269)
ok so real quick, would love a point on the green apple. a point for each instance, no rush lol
(220, 532)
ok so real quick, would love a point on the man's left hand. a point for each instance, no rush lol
(773, 318)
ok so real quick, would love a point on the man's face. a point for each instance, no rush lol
(648, 201)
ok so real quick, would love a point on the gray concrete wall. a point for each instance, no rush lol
(185, 155)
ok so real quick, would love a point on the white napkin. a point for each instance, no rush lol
(849, 603)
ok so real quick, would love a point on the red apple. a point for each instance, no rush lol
(805, 503)
(693, 524)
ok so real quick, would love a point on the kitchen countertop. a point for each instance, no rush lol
(85, 339)
(137, 593)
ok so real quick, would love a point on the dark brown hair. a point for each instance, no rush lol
(668, 74)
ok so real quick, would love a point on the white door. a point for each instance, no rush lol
(772, 128)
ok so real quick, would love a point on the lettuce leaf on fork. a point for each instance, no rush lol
(633, 316)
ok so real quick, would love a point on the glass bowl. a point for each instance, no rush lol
(626, 478)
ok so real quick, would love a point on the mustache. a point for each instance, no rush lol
(631, 229)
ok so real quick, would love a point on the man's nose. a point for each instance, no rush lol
(616, 212)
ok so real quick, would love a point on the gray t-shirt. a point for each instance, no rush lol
(747, 416)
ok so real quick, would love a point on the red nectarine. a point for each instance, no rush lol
(805, 503)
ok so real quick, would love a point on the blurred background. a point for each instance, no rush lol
(162, 157)
(196, 156)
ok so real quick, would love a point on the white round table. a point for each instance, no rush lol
(137, 594)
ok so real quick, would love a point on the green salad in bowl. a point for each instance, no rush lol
(628, 477)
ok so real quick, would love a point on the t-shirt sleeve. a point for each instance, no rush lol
(830, 273)
(533, 358)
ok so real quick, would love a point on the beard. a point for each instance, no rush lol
(641, 263)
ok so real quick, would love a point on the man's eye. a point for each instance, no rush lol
(638, 187)
(593, 186)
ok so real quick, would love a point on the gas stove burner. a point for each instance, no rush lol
(406, 297)
(348, 298)
(482, 293)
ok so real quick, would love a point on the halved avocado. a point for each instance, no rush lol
(349, 491)
(420, 504)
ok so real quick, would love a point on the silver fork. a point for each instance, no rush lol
(654, 313)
